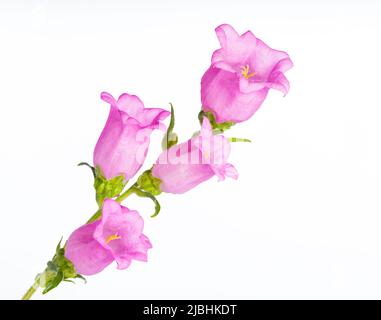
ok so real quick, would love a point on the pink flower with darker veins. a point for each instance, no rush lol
(122, 146)
(117, 236)
(241, 74)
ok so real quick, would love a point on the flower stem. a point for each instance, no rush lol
(128, 192)
(95, 216)
(30, 291)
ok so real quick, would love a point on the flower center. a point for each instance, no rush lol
(245, 72)
(112, 237)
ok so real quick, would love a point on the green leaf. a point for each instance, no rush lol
(170, 138)
(87, 165)
(149, 183)
(219, 127)
(107, 189)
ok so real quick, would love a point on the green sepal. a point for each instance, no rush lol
(71, 281)
(149, 183)
(144, 194)
(134, 189)
(54, 281)
(218, 127)
(233, 139)
(64, 264)
(170, 138)
(58, 269)
(88, 165)
(79, 276)
(107, 189)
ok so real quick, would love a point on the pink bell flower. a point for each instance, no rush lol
(117, 236)
(184, 166)
(123, 144)
(241, 74)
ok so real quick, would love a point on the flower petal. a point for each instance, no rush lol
(180, 168)
(130, 104)
(221, 94)
(125, 228)
(86, 254)
(122, 146)
(265, 60)
(225, 170)
(153, 116)
(107, 97)
(279, 82)
(235, 49)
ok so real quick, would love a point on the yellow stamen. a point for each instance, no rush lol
(112, 237)
(245, 72)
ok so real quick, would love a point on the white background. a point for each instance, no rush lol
(304, 218)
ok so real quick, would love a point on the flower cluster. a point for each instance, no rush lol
(232, 89)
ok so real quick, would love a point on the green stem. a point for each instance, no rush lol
(127, 193)
(123, 196)
(31, 291)
(95, 216)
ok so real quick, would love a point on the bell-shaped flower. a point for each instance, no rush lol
(116, 236)
(184, 166)
(122, 146)
(241, 74)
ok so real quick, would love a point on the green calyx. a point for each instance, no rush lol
(147, 186)
(107, 189)
(219, 127)
(58, 269)
(149, 183)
